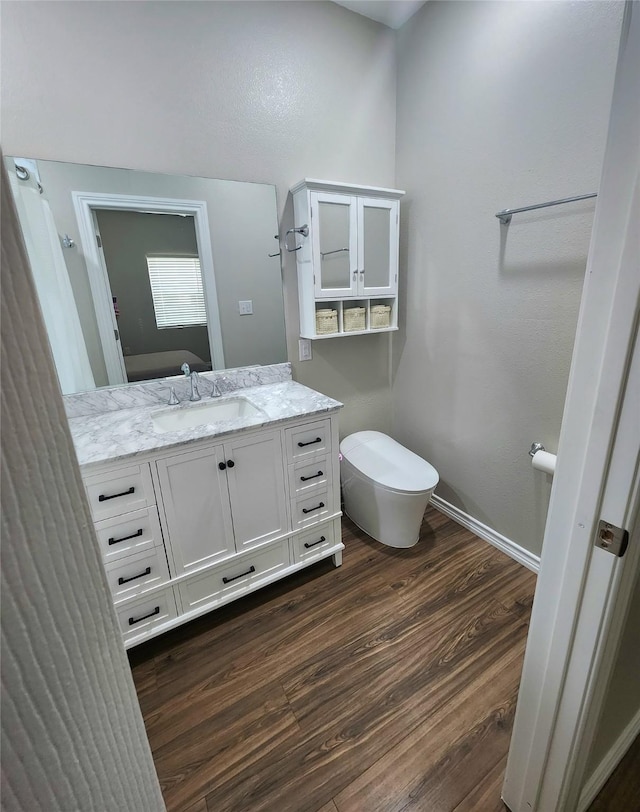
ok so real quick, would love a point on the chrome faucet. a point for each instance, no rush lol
(219, 387)
(194, 378)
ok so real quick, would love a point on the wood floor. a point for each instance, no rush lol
(387, 684)
(621, 793)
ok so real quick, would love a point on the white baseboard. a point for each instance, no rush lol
(502, 543)
(603, 771)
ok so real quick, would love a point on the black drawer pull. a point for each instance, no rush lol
(230, 463)
(134, 577)
(313, 543)
(126, 538)
(222, 465)
(103, 498)
(311, 442)
(226, 580)
(133, 620)
(310, 510)
(307, 478)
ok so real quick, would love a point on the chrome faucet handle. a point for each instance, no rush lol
(185, 368)
(194, 378)
(173, 398)
(215, 389)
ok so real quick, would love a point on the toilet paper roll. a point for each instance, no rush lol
(544, 461)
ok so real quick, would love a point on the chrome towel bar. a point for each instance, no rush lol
(505, 215)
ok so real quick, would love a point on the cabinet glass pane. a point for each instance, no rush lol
(335, 269)
(377, 233)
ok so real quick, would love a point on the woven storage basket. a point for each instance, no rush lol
(380, 316)
(326, 322)
(354, 318)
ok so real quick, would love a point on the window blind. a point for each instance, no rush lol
(176, 288)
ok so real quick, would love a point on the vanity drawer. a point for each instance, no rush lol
(119, 491)
(313, 438)
(235, 576)
(314, 543)
(135, 532)
(137, 573)
(307, 475)
(139, 617)
(311, 508)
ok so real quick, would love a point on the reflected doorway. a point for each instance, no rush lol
(156, 288)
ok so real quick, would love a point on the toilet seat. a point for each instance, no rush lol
(387, 463)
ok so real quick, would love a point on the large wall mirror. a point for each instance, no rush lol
(139, 272)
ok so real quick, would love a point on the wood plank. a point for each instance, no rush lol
(445, 757)
(294, 697)
(199, 806)
(486, 795)
(330, 807)
(221, 744)
(622, 790)
(258, 663)
(386, 657)
(376, 717)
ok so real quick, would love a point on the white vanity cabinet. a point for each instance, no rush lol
(221, 500)
(348, 260)
(190, 528)
(123, 505)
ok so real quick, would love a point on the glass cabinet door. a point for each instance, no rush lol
(335, 245)
(378, 247)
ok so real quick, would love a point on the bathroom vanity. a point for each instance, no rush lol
(197, 504)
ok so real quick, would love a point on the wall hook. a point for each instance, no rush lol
(304, 230)
(275, 237)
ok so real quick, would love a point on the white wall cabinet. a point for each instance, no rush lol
(349, 260)
(220, 519)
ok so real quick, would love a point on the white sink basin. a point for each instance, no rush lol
(203, 414)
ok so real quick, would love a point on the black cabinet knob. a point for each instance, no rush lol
(230, 463)
(222, 465)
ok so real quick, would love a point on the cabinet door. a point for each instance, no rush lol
(377, 247)
(256, 489)
(196, 505)
(334, 221)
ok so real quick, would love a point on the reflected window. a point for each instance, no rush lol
(176, 288)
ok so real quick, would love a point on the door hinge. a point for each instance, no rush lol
(116, 334)
(611, 538)
(99, 241)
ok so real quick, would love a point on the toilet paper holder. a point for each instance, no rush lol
(541, 459)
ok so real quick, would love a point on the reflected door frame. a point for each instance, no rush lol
(85, 205)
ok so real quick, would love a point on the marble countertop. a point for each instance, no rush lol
(127, 433)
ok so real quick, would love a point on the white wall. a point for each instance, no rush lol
(499, 105)
(265, 91)
(73, 736)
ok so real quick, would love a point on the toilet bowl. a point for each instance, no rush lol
(385, 487)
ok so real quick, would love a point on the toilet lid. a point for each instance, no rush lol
(388, 463)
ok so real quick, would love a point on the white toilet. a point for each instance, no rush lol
(385, 487)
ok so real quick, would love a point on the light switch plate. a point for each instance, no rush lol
(245, 308)
(304, 349)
